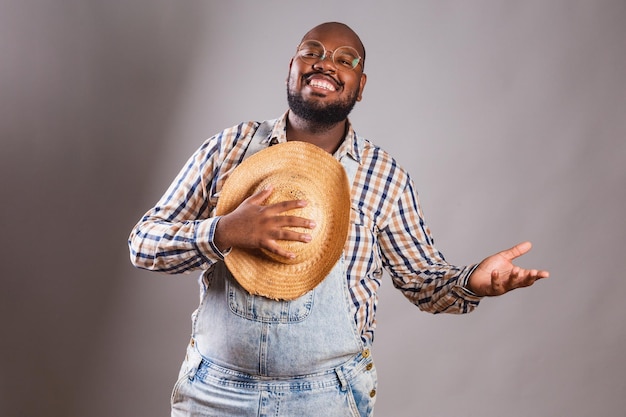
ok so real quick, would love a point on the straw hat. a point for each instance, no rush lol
(296, 171)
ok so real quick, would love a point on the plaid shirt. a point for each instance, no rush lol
(387, 229)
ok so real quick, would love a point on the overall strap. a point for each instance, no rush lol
(259, 140)
(351, 166)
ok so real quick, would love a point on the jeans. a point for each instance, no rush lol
(207, 389)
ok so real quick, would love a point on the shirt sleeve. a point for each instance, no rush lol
(176, 235)
(416, 267)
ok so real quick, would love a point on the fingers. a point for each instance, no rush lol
(521, 278)
(276, 249)
(295, 229)
(260, 196)
(274, 238)
(501, 285)
(287, 228)
(517, 250)
(497, 287)
(259, 199)
(543, 274)
(516, 278)
(258, 224)
(276, 218)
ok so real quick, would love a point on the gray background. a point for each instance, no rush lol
(510, 115)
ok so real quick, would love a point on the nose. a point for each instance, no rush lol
(325, 63)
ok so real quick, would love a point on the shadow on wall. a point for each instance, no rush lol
(87, 88)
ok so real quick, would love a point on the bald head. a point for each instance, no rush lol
(339, 30)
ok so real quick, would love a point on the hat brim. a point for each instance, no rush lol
(296, 171)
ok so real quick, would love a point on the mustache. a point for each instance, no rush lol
(308, 75)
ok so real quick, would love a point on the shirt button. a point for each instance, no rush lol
(373, 393)
(366, 353)
(369, 366)
(192, 342)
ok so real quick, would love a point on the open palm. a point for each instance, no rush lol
(497, 275)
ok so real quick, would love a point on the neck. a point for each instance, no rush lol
(327, 137)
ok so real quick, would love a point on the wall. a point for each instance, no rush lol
(509, 116)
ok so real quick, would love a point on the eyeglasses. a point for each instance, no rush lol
(344, 57)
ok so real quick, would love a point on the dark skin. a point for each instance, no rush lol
(340, 85)
(253, 225)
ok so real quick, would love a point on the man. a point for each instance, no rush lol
(243, 363)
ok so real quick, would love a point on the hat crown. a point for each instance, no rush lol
(296, 171)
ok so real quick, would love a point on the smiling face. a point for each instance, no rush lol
(325, 91)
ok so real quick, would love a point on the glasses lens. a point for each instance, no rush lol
(311, 51)
(346, 57)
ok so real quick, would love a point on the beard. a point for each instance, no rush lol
(322, 115)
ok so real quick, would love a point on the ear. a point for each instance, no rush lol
(289, 72)
(361, 86)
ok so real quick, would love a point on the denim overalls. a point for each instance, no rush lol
(252, 356)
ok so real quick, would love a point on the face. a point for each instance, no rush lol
(322, 91)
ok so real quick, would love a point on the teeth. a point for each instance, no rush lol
(322, 84)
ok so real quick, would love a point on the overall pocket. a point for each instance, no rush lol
(262, 309)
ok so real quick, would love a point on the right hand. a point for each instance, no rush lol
(255, 226)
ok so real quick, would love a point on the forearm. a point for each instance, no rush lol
(173, 247)
(438, 289)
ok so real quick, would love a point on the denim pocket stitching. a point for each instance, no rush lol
(265, 310)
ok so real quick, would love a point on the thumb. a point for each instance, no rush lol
(261, 195)
(517, 250)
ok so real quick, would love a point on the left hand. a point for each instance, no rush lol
(497, 275)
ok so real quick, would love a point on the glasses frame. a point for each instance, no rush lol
(328, 54)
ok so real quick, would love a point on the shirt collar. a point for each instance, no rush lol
(350, 145)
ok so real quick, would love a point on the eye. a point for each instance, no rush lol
(311, 53)
(347, 60)
(311, 50)
(345, 63)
